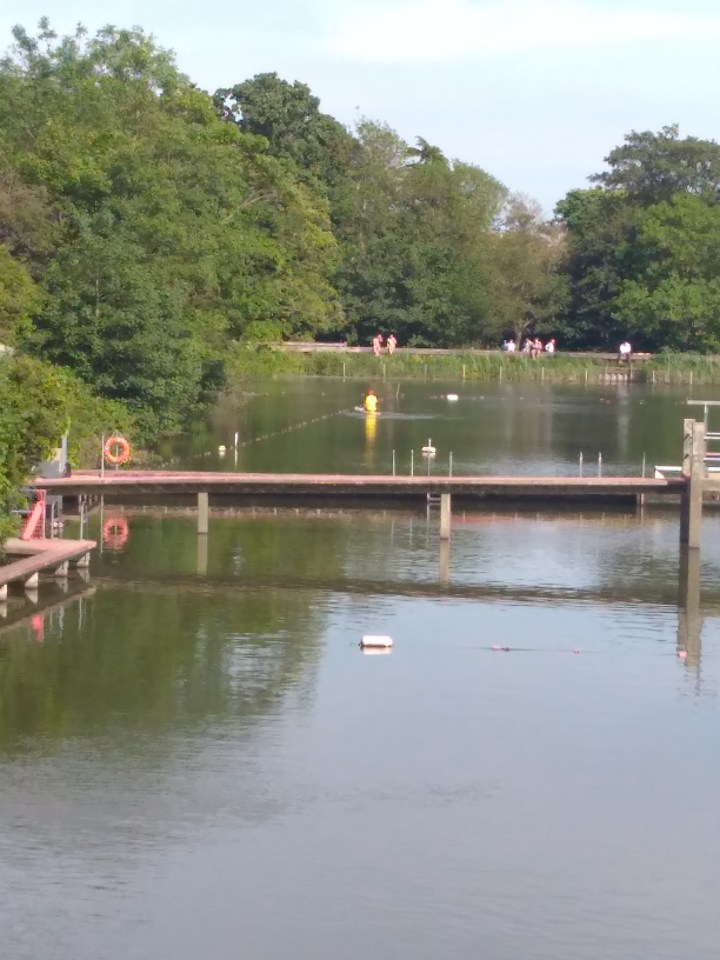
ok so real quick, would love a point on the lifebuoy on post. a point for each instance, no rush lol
(115, 533)
(116, 450)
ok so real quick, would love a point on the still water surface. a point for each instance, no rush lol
(197, 760)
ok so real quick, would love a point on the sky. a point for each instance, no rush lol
(535, 93)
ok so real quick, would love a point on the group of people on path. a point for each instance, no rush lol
(533, 347)
(377, 344)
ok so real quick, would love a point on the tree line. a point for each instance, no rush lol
(148, 228)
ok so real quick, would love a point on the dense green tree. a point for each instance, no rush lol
(20, 298)
(288, 116)
(624, 280)
(673, 299)
(176, 230)
(599, 228)
(527, 293)
(652, 167)
(413, 229)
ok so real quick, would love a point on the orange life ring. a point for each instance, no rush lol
(116, 450)
(115, 533)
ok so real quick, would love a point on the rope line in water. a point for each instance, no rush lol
(294, 426)
(267, 436)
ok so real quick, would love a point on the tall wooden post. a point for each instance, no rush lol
(444, 562)
(689, 618)
(445, 512)
(202, 556)
(694, 471)
(203, 511)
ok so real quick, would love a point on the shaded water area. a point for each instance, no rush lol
(197, 759)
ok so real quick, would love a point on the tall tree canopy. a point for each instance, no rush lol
(641, 246)
(172, 231)
(413, 230)
(653, 167)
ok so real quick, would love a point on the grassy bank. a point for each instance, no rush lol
(562, 368)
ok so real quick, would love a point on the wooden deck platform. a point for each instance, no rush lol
(30, 558)
(135, 483)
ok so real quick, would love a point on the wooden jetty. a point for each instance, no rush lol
(30, 558)
(133, 483)
(693, 480)
(127, 484)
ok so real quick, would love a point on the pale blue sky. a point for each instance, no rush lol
(535, 93)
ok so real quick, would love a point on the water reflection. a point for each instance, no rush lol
(197, 758)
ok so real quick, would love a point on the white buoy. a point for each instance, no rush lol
(429, 449)
(375, 651)
(221, 450)
(452, 397)
(371, 641)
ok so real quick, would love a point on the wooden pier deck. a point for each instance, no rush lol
(138, 483)
(30, 558)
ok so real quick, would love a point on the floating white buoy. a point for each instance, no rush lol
(376, 642)
(429, 450)
(221, 450)
(375, 651)
(452, 397)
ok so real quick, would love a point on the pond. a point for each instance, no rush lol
(197, 758)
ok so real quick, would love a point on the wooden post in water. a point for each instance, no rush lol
(445, 513)
(203, 512)
(694, 471)
(444, 562)
(689, 619)
(202, 556)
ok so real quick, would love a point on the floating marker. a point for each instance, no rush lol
(428, 450)
(374, 651)
(221, 450)
(376, 642)
(452, 397)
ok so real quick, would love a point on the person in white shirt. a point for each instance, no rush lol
(550, 346)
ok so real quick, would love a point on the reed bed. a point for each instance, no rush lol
(669, 368)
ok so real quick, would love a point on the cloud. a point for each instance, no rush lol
(408, 31)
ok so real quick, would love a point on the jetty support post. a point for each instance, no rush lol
(83, 561)
(693, 470)
(689, 616)
(445, 513)
(32, 581)
(202, 556)
(444, 562)
(61, 571)
(3, 592)
(203, 512)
